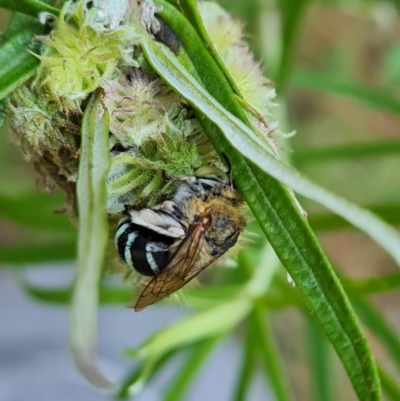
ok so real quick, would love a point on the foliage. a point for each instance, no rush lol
(247, 295)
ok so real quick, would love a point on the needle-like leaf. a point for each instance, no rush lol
(29, 7)
(92, 239)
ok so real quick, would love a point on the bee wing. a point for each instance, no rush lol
(181, 269)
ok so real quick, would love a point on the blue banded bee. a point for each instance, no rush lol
(175, 241)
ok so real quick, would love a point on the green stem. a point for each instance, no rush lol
(318, 351)
(177, 389)
(244, 379)
(270, 356)
(390, 385)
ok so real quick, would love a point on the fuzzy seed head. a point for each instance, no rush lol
(79, 55)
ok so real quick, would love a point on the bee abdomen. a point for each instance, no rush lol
(142, 249)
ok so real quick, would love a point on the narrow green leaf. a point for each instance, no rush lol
(321, 371)
(323, 222)
(17, 65)
(123, 392)
(372, 285)
(190, 9)
(108, 295)
(60, 296)
(20, 22)
(304, 157)
(36, 210)
(200, 56)
(378, 99)
(270, 357)
(29, 7)
(127, 390)
(374, 320)
(204, 325)
(92, 239)
(178, 388)
(247, 364)
(292, 14)
(278, 216)
(20, 255)
(3, 106)
(390, 385)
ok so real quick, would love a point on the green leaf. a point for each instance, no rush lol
(323, 222)
(247, 365)
(107, 296)
(206, 324)
(190, 9)
(374, 320)
(20, 255)
(19, 22)
(270, 357)
(177, 389)
(92, 239)
(304, 157)
(17, 65)
(60, 296)
(379, 99)
(372, 285)
(124, 391)
(29, 7)
(3, 106)
(273, 206)
(321, 371)
(36, 210)
(390, 385)
(214, 322)
(292, 13)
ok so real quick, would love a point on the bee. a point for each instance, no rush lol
(175, 241)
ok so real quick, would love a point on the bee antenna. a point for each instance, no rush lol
(226, 161)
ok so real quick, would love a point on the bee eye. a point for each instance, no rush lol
(222, 223)
(222, 235)
(230, 240)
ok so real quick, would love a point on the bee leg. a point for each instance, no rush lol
(126, 276)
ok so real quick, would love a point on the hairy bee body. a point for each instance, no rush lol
(175, 241)
(143, 249)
